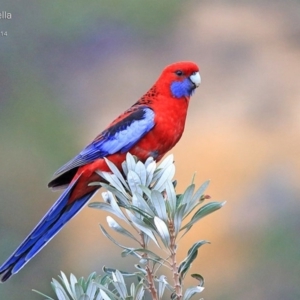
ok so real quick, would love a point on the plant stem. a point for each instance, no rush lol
(173, 248)
(150, 277)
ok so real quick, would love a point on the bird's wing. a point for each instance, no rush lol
(120, 136)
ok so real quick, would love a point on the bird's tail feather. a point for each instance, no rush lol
(57, 216)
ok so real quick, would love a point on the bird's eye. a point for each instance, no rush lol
(179, 73)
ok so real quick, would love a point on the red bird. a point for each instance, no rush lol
(151, 127)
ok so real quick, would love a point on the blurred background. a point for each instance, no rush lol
(68, 68)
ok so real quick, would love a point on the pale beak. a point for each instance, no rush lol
(195, 78)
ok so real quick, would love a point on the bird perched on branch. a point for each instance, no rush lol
(150, 127)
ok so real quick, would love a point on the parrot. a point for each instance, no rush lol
(150, 127)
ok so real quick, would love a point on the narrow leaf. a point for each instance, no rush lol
(139, 201)
(188, 193)
(169, 160)
(134, 182)
(116, 171)
(199, 278)
(140, 170)
(40, 293)
(65, 282)
(142, 226)
(150, 172)
(168, 174)
(130, 162)
(118, 228)
(111, 238)
(139, 291)
(171, 196)
(190, 292)
(192, 254)
(163, 231)
(159, 205)
(161, 286)
(118, 282)
(178, 218)
(202, 212)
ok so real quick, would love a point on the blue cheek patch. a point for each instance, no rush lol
(183, 88)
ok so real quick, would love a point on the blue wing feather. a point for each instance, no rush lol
(121, 136)
(57, 216)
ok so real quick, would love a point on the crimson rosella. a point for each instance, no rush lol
(151, 127)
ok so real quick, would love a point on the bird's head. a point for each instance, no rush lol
(180, 79)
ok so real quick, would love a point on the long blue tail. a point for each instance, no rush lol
(57, 216)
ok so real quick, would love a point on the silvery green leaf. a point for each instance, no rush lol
(117, 193)
(61, 294)
(99, 297)
(141, 225)
(143, 250)
(150, 172)
(179, 217)
(129, 251)
(140, 170)
(141, 269)
(139, 291)
(146, 191)
(146, 240)
(118, 228)
(139, 201)
(55, 284)
(117, 210)
(143, 261)
(159, 205)
(78, 290)
(199, 278)
(112, 270)
(187, 195)
(116, 171)
(161, 286)
(104, 295)
(124, 168)
(73, 282)
(94, 183)
(132, 289)
(65, 282)
(113, 180)
(200, 191)
(202, 212)
(190, 292)
(169, 160)
(111, 238)
(130, 162)
(192, 254)
(106, 292)
(120, 278)
(134, 182)
(136, 211)
(148, 161)
(91, 290)
(118, 282)
(85, 297)
(163, 231)
(157, 174)
(196, 197)
(168, 174)
(171, 196)
(106, 207)
(106, 196)
(40, 293)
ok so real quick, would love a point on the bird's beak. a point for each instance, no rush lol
(195, 79)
